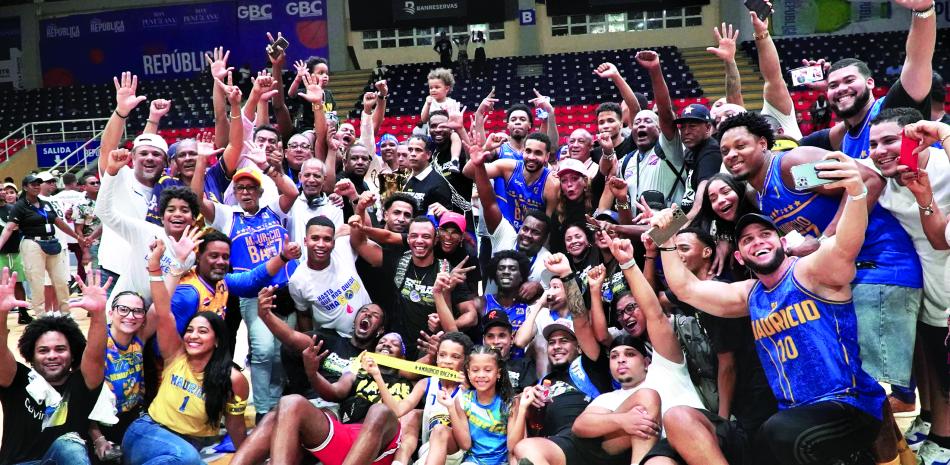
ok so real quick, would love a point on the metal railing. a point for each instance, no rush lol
(40, 132)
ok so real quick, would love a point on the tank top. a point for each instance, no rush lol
(524, 197)
(488, 427)
(124, 373)
(255, 239)
(180, 402)
(808, 347)
(434, 413)
(516, 315)
(858, 146)
(505, 152)
(887, 256)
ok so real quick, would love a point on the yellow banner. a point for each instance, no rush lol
(406, 365)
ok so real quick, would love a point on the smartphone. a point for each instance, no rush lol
(281, 42)
(806, 176)
(761, 9)
(660, 236)
(807, 75)
(908, 158)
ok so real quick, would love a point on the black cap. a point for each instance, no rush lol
(497, 318)
(30, 179)
(752, 218)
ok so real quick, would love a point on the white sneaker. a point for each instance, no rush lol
(917, 433)
(932, 454)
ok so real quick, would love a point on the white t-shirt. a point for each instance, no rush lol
(138, 234)
(65, 202)
(655, 173)
(301, 213)
(448, 105)
(334, 294)
(901, 203)
(506, 238)
(136, 199)
(788, 122)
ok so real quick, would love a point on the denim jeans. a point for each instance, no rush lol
(267, 372)
(68, 449)
(887, 326)
(149, 443)
(105, 275)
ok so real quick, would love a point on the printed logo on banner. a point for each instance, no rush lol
(53, 153)
(200, 16)
(159, 19)
(97, 25)
(410, 8)
(254, 12)
(306, 9)
(55, 32)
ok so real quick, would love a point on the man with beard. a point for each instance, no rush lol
(148, 163)
(351, 181)
(887, 285)
(46, 407)
(850, 83)
(413, 273)
(367, 431)
(314, 202)
(915, 199)
(443, 153)
(804, 322)
(527, 184)
(427, 185)
(398, 211)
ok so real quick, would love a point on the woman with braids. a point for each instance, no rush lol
(481, 416)
(199, 386)
(723, 201)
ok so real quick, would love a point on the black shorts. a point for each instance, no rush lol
(933, 340)
(586, 451)
(733, 442)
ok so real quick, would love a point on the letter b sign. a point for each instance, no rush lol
(526, 17)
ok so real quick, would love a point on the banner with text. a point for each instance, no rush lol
(170, 42)
(408, 11)
(50, 154)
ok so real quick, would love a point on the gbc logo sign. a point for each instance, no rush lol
(255, 12)
(305, 9)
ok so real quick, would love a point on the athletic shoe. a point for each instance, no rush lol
(24, 318)
(932, 454)
(917, 433)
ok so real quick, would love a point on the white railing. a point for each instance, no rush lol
(40, 132)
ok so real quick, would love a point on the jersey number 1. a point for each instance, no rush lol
(184, 403)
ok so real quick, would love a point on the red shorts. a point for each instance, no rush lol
(340, 440)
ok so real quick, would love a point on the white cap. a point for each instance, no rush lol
(151, 140)
(45, 176)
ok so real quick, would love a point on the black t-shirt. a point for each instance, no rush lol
(626, 146)
(456, 257)
(13, 243)
(306, 108)
(24, 437)
(567, 401)
(360, 186)
(365, 393)
(442, 157)
(342, 351)
(820, 139)
(522, 373)
(34, 221)
(897, 98)
(945, 119)
(382, 291)
(431, 189)
(705, 161)
(414, 301)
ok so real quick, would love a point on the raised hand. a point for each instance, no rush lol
(234, 95)
(218, 61)
(917, 5)
(156, 249)
(607, 71)
(93, 294)
(314, 91)
(726, 36)
(159, 108)
(618, 187)
(758, 25)
(558, 264)
(429, 343)
(301, 67)
(822, 85)
(125, 98)
(844, 170)
(477, 155)
(255, 153)
(290, 249)
(541, 101)
(314, 355)
(382, 88)
(345, 188)
(443, 283)
(495, 140)
(456, 118)
(648, 59)
(264, 85)
(206, 146)
(433, 322)
(663, 218)
(266, 301)
(8, 300)
(117, 159)
(446, 400)
(928, 133)
(188, 243)
(278, 58)
(622, 250)
(596, 276)
(369, 101)
(367, 199)
(645, 211)
(605, 141)
(460, 271)
(488, 103)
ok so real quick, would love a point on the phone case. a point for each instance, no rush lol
(907, 157)
(281, 42)
(761, 9)
(806, 176)
(660, 236)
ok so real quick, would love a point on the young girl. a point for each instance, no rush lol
(452, 354)
(441, 81)
(481, 416)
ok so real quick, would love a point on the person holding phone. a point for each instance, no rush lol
(917, 200)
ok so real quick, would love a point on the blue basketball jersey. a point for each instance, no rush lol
(808, 347)
(887, 256)
(524, 197)
(505, 152)
(860, 145)
(516, 315)
(255, 239)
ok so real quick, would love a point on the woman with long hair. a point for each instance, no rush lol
(199, 386)
(574, 201)
(723, 201)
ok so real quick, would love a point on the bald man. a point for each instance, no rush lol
(313, 202)
(657, 164)
(578, 147)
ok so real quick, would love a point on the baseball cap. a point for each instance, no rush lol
(45, 176)
(453, 218)
(752, 218)
(151, 140)
(694, 112)
(560, 324)
(496, 318)
(30, 179)
(10, 184)
(253, 174)
(570, 164)
(607, 215)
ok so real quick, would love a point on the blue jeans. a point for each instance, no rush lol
(267, 372)
(149, 443)
(105, 275)
(887, 326)
(68, 449)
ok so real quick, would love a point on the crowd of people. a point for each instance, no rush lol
(708, 287)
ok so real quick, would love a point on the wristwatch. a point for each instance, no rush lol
(924, 14)
(928, 209)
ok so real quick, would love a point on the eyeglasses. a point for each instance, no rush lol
(245, 188)
(629, 309)
(123, 310)
(298, 146)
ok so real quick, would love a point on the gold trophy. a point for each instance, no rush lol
(391, 182)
